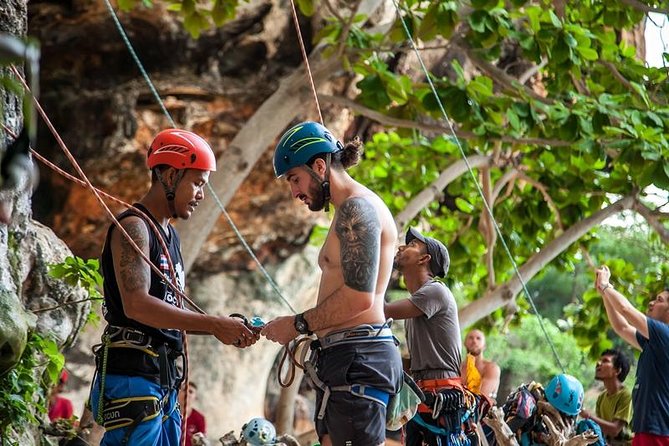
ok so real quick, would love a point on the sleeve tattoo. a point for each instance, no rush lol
(133, 272)
(359, 233)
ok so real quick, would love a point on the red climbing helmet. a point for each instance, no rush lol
(180, 149)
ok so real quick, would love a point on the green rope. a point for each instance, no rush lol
(103, 375)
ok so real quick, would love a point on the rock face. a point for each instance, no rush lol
(30, 300)
(107, 116)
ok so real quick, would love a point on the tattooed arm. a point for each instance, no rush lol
(359, 232)
(133, 276)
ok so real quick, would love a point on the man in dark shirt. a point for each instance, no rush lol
(649, 333)
(137, 364)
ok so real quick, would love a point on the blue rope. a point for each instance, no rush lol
(159, 100)
(478, 186)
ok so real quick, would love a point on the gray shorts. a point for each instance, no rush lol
(352, 420)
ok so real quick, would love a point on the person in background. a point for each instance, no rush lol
(613, 411)
(480, 375)
(432, 329)
(649, 333)
(59, 406)
(195, 421)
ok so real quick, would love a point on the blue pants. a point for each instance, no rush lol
(163, 430)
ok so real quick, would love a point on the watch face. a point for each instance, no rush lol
(300, 326)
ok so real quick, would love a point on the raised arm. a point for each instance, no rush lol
(625, 319)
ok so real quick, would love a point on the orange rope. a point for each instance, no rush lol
(306, 60)
(98, 193)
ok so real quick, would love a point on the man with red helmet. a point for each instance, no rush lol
(138, 362)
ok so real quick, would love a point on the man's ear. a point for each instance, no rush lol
(425, 259)
(319, 167)
(169, 175)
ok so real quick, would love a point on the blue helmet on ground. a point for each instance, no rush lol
(300, 144)
(565, 393)
(259, 432)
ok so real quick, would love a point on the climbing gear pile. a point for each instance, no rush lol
(451, 411)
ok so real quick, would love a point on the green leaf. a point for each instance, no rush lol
(222, 11)
(480, 87)
(126, 5)
(478, 20)
(588, 53)
(307, 7)
(513, 119)
(464, 205)
(555, 20)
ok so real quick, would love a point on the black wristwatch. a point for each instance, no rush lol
(301, 324)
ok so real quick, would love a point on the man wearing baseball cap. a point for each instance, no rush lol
(432, 328)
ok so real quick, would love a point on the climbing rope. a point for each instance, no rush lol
(478, 186)
(220, 205)
(99, 193)
(168, 281)
(296, 22)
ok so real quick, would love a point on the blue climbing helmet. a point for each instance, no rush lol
(259, 432)
(300, 144)
(565, 393)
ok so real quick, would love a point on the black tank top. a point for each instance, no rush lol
(113, 307)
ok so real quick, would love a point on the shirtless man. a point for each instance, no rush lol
(357, 359)
(479, 375)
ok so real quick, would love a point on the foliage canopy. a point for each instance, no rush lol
(551, 98)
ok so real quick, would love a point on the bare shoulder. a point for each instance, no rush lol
(357, 215)
(491, 367)
(136, 228)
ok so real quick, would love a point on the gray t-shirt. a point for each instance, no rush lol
(434, 338)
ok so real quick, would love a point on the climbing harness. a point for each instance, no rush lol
(357, 335)
(452, 411)
(136, 353)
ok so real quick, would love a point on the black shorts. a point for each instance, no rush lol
(352, 420)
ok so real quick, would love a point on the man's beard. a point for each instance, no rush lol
(317, 196)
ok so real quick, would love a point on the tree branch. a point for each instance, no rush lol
(626, 83)
(526, 76)
(486, 226)
(434, 128)
(544, 192)
(507, 82)
(430, 193)
(500, 296)
(636, 4)
(508, 176)
(654, 219)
